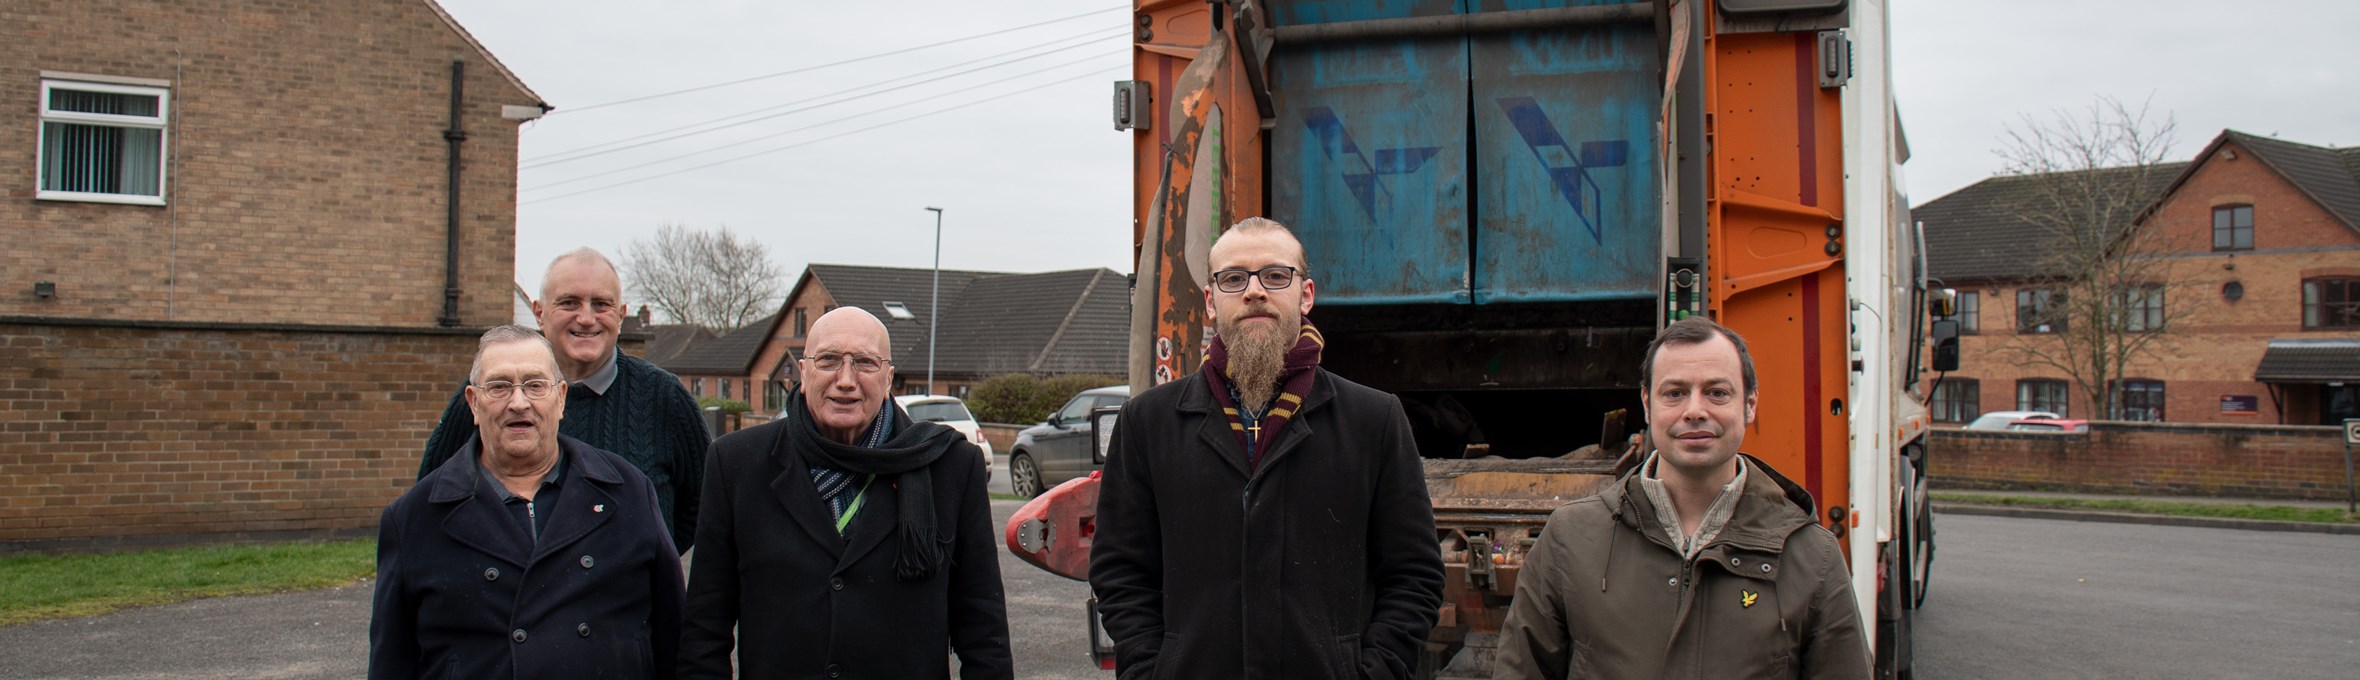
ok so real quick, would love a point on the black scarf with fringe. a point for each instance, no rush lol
(904, 457)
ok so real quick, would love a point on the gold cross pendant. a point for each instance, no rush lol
(1255, 429)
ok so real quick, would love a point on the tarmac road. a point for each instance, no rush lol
(2011, 598)
(316, 634)
(2040, 598)
(325, 634)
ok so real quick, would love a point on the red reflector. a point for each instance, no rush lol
(1107, 664)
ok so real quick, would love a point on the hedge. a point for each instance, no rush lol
(1024, 398)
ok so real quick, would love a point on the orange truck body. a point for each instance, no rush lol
(1501, 201)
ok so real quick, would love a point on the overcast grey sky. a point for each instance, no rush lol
(1039, 181)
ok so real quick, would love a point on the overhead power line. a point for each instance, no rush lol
(832, 64)
(716, 124)
(871, 112)
(948, 109)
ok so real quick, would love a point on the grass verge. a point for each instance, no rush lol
(37, 587)
(2275, 513)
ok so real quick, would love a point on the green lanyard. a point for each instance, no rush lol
(846, 519)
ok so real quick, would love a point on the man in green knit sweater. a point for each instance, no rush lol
(614, 401)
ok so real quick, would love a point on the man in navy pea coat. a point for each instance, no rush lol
(528, 554)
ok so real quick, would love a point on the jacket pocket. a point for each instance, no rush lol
(1346, 657)
(1581, 665)
(647, 651)
(1167, 658)
(1783, 668)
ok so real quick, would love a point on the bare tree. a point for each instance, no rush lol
(712, 279)
(2105, 292)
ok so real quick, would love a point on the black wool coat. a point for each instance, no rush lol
(807, 603)
(1320, 563)
(464, 592)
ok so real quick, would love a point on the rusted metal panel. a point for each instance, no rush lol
(1368, 155)
(1507, 486)
(1568, 196)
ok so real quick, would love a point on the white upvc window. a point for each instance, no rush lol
(103, 142)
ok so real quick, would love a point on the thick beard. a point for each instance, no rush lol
(1255, 362)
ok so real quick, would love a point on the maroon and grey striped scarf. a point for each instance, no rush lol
(1294, 382)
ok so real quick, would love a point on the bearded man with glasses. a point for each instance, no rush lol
(845, 539)
(528, 554)
(1264, 518)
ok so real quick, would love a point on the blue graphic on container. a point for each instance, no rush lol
(1569, 168)
(1336, 142)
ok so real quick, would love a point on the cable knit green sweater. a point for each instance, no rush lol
(645, 417)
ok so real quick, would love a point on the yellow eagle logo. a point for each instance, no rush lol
(1746, 598)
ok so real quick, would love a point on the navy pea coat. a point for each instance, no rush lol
(464, 592)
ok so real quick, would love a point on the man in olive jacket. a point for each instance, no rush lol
(1701, 563)
(1264, 518)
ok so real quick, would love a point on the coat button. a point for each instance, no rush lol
(835, 671)
(835, 584)
(491, 574)
(1673, 581)
(1733, 561)
(586, 561)
(517, 635)
(1765, 567)
(583, 629)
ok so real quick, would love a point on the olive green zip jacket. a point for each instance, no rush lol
(1603, 596)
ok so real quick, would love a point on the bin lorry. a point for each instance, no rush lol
(1502, 201)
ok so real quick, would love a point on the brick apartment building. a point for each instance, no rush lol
(224, 309)
(2264, 256)
(1051, 323)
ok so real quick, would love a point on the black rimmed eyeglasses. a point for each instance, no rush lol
(1273, 277)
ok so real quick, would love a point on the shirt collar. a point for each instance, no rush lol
(555, 475)
(1716, 515)
(598, 381)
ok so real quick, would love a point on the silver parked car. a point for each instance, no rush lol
(1059, 448)
(948, 411)
(1999, 420)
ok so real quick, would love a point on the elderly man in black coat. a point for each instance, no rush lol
(1264, 518)
(845, 540)
(528, 554)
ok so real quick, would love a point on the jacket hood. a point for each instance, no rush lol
(1771, 508)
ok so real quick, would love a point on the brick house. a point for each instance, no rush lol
(250, 247)
(1051, 323)
(2264, 234)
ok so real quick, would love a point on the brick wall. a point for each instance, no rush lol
(2214, 343)
(306, 172)
(2137, 458)
(128, 435)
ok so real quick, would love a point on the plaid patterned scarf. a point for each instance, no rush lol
(1294, 382)
(832, 483)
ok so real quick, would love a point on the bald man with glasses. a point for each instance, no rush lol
(845, 539)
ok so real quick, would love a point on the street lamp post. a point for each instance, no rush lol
(934, 307)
